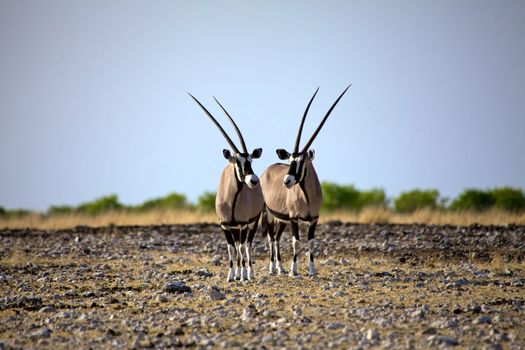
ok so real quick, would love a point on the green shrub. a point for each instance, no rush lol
(100, 205)
(60, 210)
(16, 213)
(171, 201)
(416, 199)
(375, 197)
(507, 198)
(473, 199)
(348, 197)
(206, 201)
(339, 196)
(3, 212)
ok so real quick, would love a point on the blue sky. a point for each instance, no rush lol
(93, 94)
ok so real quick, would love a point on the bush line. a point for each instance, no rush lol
(335, 197)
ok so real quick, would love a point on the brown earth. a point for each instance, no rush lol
(378, 286)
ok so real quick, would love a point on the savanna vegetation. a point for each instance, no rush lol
(501, 205)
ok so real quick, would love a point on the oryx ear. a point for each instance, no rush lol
(256, 153)
(282, 154)
(311, 154)
(227, 154)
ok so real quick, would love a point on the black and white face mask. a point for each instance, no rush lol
(296, 169)
(243, 165)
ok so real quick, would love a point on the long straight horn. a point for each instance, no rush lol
(235, 126)
(298, 138)
(309, 143)
(232, 145)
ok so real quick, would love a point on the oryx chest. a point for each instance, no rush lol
(297, 203)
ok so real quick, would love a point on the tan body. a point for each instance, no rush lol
(301, 202)
(239, 200)
(293, 201)
(248, 202)
(292, 193)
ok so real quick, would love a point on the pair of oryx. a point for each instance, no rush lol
(287, 194)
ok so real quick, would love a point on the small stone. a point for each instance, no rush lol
(216, 260)
(476, 309)
(372, 334)
(49, 308)
(203, 273)
(483, 320)
(215, 294)
(176, 287)
(335, 325)
(461, 282)
(330, 262)
(249, 313)
(517, 283)
(429, 331)
(418, 313)
(344, 261)
(41, 333)
(442, 340)
(297, 311)
(451, 324)
(162, 298)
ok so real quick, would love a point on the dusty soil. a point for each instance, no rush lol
(378, 286)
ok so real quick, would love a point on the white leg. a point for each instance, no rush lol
(238, 265)
(231, 254)
(311, 266)
(243, 273)
(272, 256)
(293, 266)
(280, 269)
(249, 258)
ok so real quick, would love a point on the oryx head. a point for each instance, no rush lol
(297, 159)
(241, 160)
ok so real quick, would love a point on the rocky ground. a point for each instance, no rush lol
(378, 286)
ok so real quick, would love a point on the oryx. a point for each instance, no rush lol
(239, 200)
(292, 193)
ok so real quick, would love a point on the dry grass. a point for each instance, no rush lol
(153, 217)
(186, 216)
(427, 216)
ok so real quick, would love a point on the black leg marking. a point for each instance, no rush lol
(229, 237)
(280, 228)
(244, 234)
(271, 238)
(311, 230)
(231, 251)
(311, 235)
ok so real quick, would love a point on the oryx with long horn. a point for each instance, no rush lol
(239, 200)
(292, 193)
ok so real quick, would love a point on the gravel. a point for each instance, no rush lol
(176, 287)
(378, 286)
